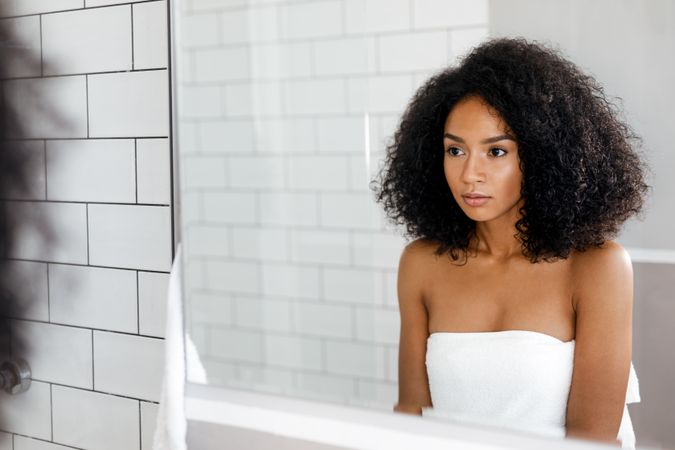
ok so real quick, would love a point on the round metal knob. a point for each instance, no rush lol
(15, 376)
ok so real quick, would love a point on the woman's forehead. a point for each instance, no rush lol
(474, 115)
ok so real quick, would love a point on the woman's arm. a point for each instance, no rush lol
(603, 301)
(413, 383)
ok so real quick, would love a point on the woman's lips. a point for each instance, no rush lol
(475, 199)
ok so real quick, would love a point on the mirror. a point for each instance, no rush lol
(284, 111)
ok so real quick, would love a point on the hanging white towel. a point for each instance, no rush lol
(171, 425)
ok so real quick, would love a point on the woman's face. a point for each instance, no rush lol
(481, 161)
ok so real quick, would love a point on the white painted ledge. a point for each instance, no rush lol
(649, 255)
(349, 427)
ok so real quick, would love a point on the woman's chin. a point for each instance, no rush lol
(478, 216)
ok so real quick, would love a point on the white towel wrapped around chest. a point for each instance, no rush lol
(516, 379)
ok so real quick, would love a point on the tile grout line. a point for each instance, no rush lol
(49, 306)
(89, 328)
(354, 319)
(51, 410)
(138, 304)
(42, 440)
(133, 62)
(44, 147)
(12, 330)
(86, 85)
(42, 63)
(92, 138)
(82, 9)
(93, 391)
(87, 202)
(93, 377)
(167, 272)
(86, 205)
(140, 427)
(136, 167)
(80, 74)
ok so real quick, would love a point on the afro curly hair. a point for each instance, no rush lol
(582, 174)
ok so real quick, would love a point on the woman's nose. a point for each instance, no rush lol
(473, 170)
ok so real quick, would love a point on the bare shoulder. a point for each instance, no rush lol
(421, 251)
(421, 245)
(414, 269)
(608, 257)
(601, 267)
(418, 255)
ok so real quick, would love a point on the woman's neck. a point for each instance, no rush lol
(497, 238)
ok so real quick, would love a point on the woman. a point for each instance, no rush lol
(516, 167)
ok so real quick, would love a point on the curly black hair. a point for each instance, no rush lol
(583, 176)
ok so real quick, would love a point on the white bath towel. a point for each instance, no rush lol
(171, 425)
(515, 379)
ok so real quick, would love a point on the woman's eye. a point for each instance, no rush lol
(497, 152)
(454, 151)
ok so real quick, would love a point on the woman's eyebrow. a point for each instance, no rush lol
(501, 137)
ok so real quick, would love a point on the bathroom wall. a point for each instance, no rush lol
(284, 111)
(653, 338)
(99, 137)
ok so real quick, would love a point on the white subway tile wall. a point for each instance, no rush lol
(93, 420)
(91, 3)
(30, 413)
(123, 104)
(101, 170)
(93, 297)
(275, 379)
(153, 171)
(219, 309)
(128, 365)
(36, 186)
(23, 7)
(86, 41)
(57, 353)
(94, 254)
(54, 107)
(367, 16)
(263, 314)
(131, 236)
(153, 288)
(151, 48)
(26, 443)
(226, 136)
(26, 33)
(148, 419)
(326, 387)
(67, 241)
(29, 285)
(285, 110)
(271, 61)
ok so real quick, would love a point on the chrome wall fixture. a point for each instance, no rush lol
(15, 376)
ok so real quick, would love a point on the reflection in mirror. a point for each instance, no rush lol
(297, 284)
